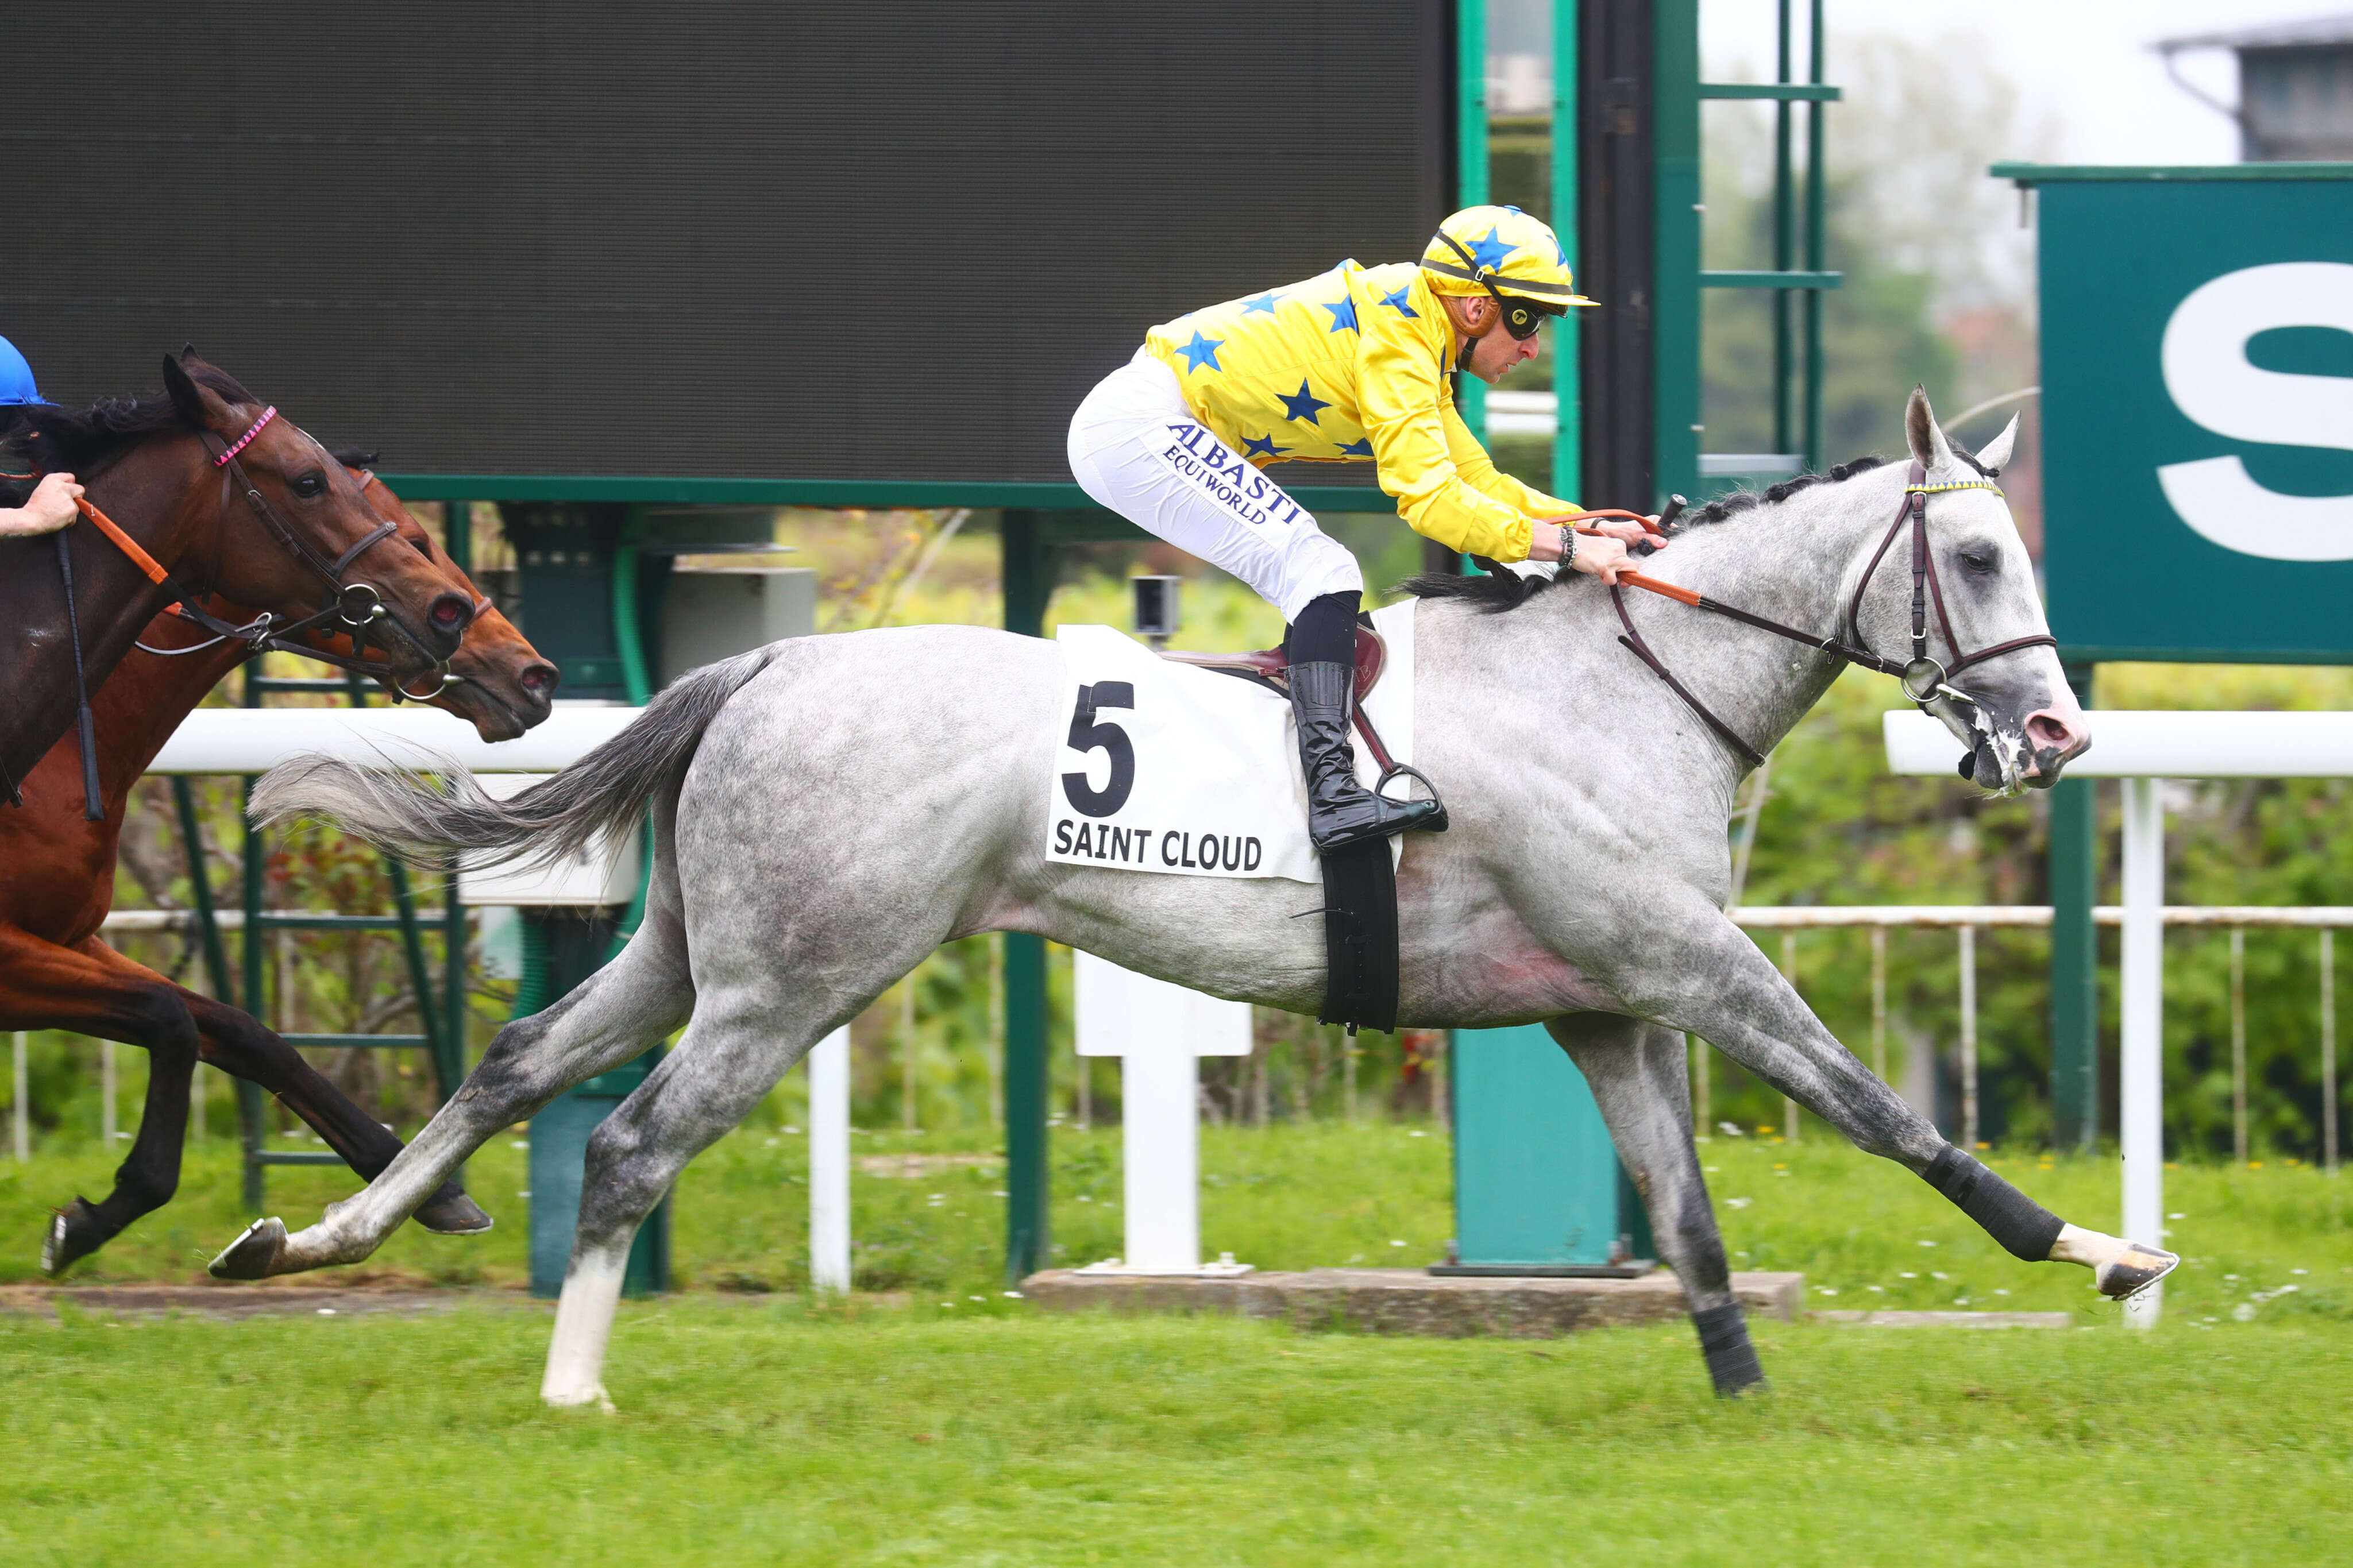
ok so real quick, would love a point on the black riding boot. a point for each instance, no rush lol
(1341, 811)
(1322, 644)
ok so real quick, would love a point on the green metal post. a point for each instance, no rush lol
(1815, 190)
(1471, 162)
(412, 940)
(450, 1067)
(1676, 275)
(1029, 582)
(249, 1095)
(200, 885)
(458, 533)
(1567, 383)
(1785, 248)
(2075, 952)
(450, 1060)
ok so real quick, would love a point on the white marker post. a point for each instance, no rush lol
(828, 1148)
(1159, 1032)
(2140, 1110)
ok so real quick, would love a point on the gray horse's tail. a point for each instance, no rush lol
(422, 817)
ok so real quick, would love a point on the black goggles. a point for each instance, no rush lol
(1523, 317)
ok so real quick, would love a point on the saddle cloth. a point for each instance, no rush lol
(1163, 767)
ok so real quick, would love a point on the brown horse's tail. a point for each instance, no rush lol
(422, 817)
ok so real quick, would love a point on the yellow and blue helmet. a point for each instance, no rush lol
(1504, 253)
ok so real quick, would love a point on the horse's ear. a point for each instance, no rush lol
(1929, 447)
(187, 351)
(1995, 454)
(197, 407)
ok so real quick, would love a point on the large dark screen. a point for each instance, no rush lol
(887, 240)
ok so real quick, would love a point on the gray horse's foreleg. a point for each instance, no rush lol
(1638, 1077)
(732, 1055)
(1751, 1013)
(612, 1017)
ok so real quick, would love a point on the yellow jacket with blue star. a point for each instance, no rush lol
(1344, 367)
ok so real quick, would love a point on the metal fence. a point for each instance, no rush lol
(1964, 921)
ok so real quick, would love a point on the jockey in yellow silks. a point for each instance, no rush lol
(1349, 367)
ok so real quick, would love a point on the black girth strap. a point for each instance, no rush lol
(1360, 937)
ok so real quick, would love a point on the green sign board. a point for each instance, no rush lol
(2198, 410)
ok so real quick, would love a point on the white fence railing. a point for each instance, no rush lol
(1965, 919)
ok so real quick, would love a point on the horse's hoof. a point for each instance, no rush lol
(452, 1213)
(253, 1255)
(2134, 1270)
(73, 1235)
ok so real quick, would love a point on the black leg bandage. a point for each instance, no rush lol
(2022, 1225)
(1724, 1341)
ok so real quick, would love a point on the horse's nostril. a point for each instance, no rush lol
(2045, 730)
(539, 679)
(451, 612)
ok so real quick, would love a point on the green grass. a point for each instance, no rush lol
(758, 1434)
(936, 1427)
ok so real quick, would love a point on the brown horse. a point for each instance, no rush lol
(57, 882)
(228, 500)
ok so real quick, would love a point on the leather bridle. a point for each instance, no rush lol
(1924, 680)
(357, 604)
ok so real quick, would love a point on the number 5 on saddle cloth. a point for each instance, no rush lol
(1176, 768)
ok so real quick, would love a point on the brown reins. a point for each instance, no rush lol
(1924, 680)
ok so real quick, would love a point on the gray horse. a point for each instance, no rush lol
(828, 811)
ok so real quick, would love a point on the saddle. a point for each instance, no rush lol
(1268, 665)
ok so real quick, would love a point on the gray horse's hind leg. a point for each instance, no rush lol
(611, 1018)
(737, 1048)
(1637, 1072)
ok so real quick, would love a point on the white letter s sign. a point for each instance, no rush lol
(2207, 373)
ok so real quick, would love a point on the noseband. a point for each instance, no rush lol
(1924, 680)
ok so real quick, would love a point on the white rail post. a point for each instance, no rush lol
(828, 1150)
(2142, 1108)
(20, 1113)
(908, 1048)
(2239, 1044)
(1790, 974)
(1879, 1002)
(2328, 1047)
(1159, 1032)
(1969, 1037)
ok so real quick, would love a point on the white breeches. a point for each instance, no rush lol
(1137, 449)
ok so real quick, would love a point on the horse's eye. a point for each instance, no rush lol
(310, 485)
(422, 546)
(1983, 566)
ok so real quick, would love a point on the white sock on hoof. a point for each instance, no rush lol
(2088, 1247)
(583, 1326)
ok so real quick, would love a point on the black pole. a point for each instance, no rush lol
(1617, 249)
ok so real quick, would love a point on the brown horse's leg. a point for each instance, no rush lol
(91, 989)
(237, 1043)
